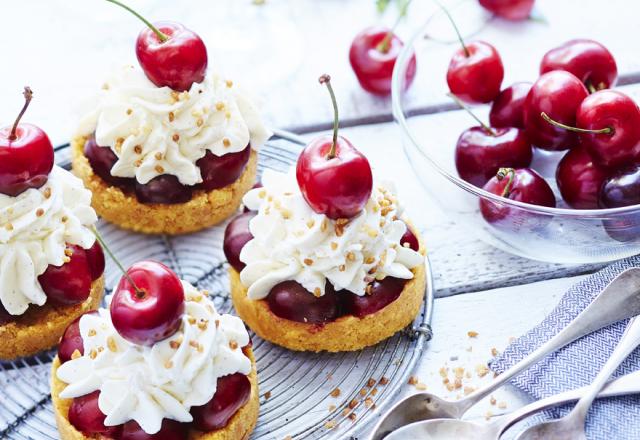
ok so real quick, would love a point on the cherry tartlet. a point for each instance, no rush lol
(193, 380)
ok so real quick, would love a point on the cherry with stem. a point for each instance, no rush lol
(605, 130)
(139, 292)
(466, 108)
(326, 80)
(384, 45)
(161, 36)
(28, 95)
(502, 173)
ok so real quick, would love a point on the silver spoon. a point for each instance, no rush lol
(446, 429)
(572, 426)
(619, 300)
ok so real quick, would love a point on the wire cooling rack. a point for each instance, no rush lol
(295, 388)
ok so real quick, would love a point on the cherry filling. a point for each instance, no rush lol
(71, 340)
(169, 430)
(217, 172)
(236, 235)
(5, 317)
(382, 294)
(71, 283)
(86, 417)
(232, 393)
(289, 300)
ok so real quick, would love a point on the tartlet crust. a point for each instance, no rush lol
(41, 327)
(239, 427)
(205, 209)
(347, 333)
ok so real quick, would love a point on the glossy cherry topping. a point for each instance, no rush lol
(220, 171)
(232, 392)
(95, 259)
(289, 300)
(71, 340)
(86, 417)
(70, 283)
(169, 430)
(409, 238)
(165, 189)
(382, 293)
(236, 235)
(102, 160)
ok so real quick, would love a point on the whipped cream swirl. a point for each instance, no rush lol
(292, 242)
(156, 130)
(35, 227)
(148, 384)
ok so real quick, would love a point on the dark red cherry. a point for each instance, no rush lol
(169, 430)
(236, 235)
(5, 317)
(522, 185)
(151, 310)
(102, 160)
(508, 108)
(164, 189)
(70, 283)
(480, 153)
(557, 94)
(95, 258)
(616, 112)
(26, 155)
(71, 340)
(289, 300)
(621, 189)
(373, 55)
(579, 179)
(220, 171)
(409, 238)
(382, 294)
(588, 60)
(86, 417)
(509, 9)
(475, 72)
(232, 392)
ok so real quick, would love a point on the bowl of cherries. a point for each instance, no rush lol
(548, 169)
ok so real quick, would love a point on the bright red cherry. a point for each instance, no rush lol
(170, 54)
(334, 178)
(509, 9)
(621, 189)
(289, 300)
(373, 55)
(169, 430)
(70, 283)
(523, 185)
(558, 94)
(236, 235)
(71, 340)
(26, 155)
(164, 189)
(588, 60)
(148, 303)
(614, 119)
(86, 417)
(382, 294)
(475, 72)
(220, 171)
(508, 108)
(102, 160)
(95, 258)
(579, 179)
(232, 392)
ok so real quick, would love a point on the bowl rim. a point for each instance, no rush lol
(397, 91)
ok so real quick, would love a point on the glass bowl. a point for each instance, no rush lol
(558, 235)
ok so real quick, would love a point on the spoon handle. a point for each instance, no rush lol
(619, 300)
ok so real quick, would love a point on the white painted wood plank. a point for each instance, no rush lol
(65, 48)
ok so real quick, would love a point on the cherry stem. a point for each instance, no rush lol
(591, 87)
(466, 108)
(455, 27)
(161, 36)
(326, 79)
(502, 173)
(28, 94)
(385, 44)
(546, 117)
(139, 292)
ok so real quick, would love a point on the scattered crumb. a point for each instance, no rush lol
(368, 402)
(459, 372)
(374, 391)
(494, 352)
(335, 392)
(502, 405)
(267, 395)
(468, 390)
(371, 382)
(352, 417)
(346, 411)
(457, 384)
(353, 404)
(492, 400)
(472, 334)
(444, 371)
(332, 408)
(488, 415)
(330, 424)
(383, 380)
(482, 370)
(413, 380)
(421, 386)
(363, 392)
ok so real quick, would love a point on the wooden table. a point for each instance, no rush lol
(278, 50)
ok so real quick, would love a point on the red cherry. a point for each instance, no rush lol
(523, 185)
(70, 283)
(95, 259)
(557, 94)
(26, 155)
(165, 189)
(373, 55)
(71, 340)
(232, 392)
(102, 160)
(475, 72)
(220, 171)
(148, 303)
(509, 9)
(480, 153)
(579, 179)
(86, 417)
(334, 178)
(382, 294)
(5, 317)
(236, 235)
(289, 300)
(409, 238)
(621, 189)
(615, 111)
(588, 60)
(508, 108)
(169, 430)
